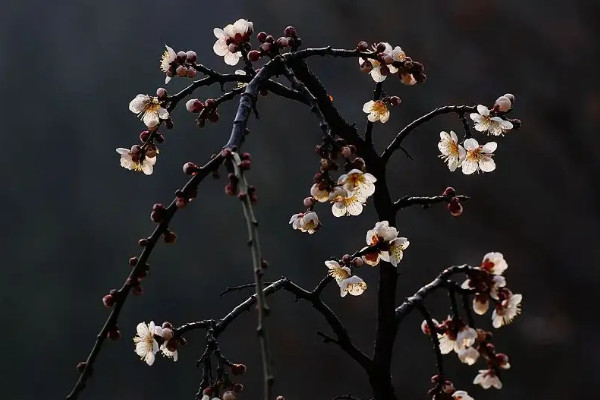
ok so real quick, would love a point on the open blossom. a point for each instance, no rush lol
(452, 152)
(468, 355)
(486, 123)
(358, 182)
(386, 234)
(145, 345)
(229, 38)
(377, 111)
(507, 309)
(148, 108)
(306, 222)
(487, 378)
(320, 194)
(376, 70)
(464, 338)
(337, 272)
(478, 158)
(134, 162)
(166, 60)
(494, 263)
(353, 285)
(461, 395)
(345, 203)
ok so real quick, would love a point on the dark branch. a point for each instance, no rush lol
(369, 128)
(439, 361)
(426, 202)
(395, 144)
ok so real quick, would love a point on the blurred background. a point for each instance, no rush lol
(72, 216)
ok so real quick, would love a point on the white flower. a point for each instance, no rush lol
(306, 222)
(481, 304)
(344, 203)
(235, 34)
(338, 272)
(425, 326)
(478, 157)
(148, 109)
(494, 125)
(507, 309)
(167, 58)
(487, 378)
(468, 355)
(494, 263)
(376, 70)
(498, 282)
(145, 345)
(396, 251)
(452, 152)
(461, 395)
(353, 285)
(465, 337)
(358, 182)
(447, 343)
(383, 232)
(168, 353)
(321, 195)
(377, 111)
(133, 162)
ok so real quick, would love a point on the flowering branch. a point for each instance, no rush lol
(395, 144)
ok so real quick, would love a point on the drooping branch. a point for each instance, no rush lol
(140, 268)
(253, 242)
(425, 201)
(439, 360)
(395, 144)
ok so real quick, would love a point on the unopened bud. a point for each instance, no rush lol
(194, 106)
(395, 100)
(238, 387)
(169, 237)
(309, 202)
(144, 136)
(189, 168)
(138, 290)
(282, 42)
(114, 334)
(133, 261)
(261, 36)
(228, 395)
(362, 46)
(254, 55)
(449, 192)
(191, 56)
(161, 93)
(264, 264)
(510, 97)
(181, 71)
(358, 262)
(238, 369)
(502, 104)
(191, 72)
(455, 207)
(289, 31)
(108, 301)
(233, 48)
(266, 47)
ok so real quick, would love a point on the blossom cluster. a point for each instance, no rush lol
(388, 60)
(147, 341)
(383, 244)
(470, 156)
(453, 334)
(178, 64)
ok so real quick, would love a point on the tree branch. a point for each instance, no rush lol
(426, 202)
(395, 144)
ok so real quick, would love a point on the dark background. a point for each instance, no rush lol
(72, 216)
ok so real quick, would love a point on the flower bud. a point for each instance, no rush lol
(169, 237)
(261, 36)
(114, 334)
(137, 290)
(144, 136)
(228, 395)
(181, 71)
(254, 55)
(309, 202)
(449, 192)
(189, 168)
(394, 100)
(191, 56)
(238, 369)
(510, 97)
(143, 242)
(133, 261)
(266, 47)
(358, 261)
(161, 93)
(362, 46)
(289, 31)
(194, 106)
(502, 104)
(233, 48)
(455, 207)
(191, 73)
(380, 47)
(282, 42)
(108, 301)
(180, 202)
(238, 387)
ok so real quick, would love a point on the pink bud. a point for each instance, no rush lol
(502, 104)
(194, 106)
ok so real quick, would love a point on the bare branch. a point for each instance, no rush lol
(426, 202)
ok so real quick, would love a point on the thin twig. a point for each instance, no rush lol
(395, 144)
(426, 202)
(439, 361)
(253, 242)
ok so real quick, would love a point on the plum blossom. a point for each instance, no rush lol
(478, 158)
(464, 338)
(461, 395)
(487, 378)
(376, 70)
(306, 222)
(358, 182)
(468, 355)
(377, 111)
(507, 309)
(145, 345)
(321, 194)
(148, 109)
(452, 152)
(486, 123)
(344, 203)
(353, 285)
(337, 272)
(229, 38)
(135, 162)
(166, 60)
(392, 246)
(494, 263)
